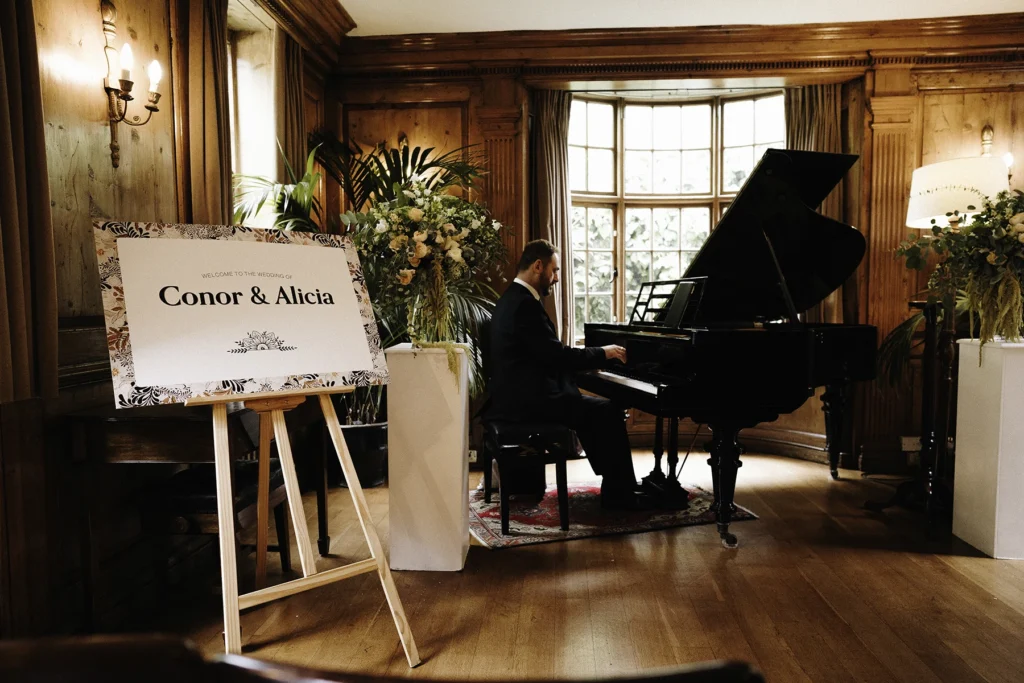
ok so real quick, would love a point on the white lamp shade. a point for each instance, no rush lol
(954, 185)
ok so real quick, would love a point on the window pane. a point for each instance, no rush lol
(638, 127)
(600, 309)
(769, 119)
(600, 170)
(697, 172)
(696, 120)
(630, 302)
(739, 123)
(600, 272)
(578, 123)
(666, 172)
(579, 227)
(666, 228)
(638, 172)
(666, 265)
(736, 166)
(600, 228)
(581, 316)
(638, 269)
(638, 228)
(579, 272)
(577, 168)
(696, 226)
(759, 150)
(687, 259)
(667, 128)
(600, 127)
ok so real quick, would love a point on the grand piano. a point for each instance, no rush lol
(724, 345)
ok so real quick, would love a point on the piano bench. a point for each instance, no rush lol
(186, 503)
(509, 443)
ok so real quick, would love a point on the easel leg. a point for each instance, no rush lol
(263, 500)
(226, 524)
(291, 484)
(372, 540)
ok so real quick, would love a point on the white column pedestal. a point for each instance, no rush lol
(988, 494)
(428, 459)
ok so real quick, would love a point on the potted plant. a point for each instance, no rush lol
(372, 178)
(980, 275)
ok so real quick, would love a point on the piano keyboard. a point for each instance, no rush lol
(635, 384)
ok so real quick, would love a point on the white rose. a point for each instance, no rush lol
(415, 215)
(439, 237)
(496, 225)
(455, 254)
(420, 236)
(448, 227)
(408, 194)
(1020, 238)
(474, 224)
(464, 234)
(426, 192)
(419, 202)
(1017, 219)
(381, 227)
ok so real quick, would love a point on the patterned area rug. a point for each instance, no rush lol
(530, 524)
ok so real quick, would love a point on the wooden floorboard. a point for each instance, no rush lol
(819, 590)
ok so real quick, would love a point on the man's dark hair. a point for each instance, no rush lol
(536, 250)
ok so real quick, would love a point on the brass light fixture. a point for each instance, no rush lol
(986, 149)
(118, 83)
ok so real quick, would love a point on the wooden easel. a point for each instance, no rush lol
(276, 403)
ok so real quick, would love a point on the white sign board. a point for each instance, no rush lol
(196, 310)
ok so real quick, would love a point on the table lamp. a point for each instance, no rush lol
(954, 185)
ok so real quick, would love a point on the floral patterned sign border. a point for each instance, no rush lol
(129, 395)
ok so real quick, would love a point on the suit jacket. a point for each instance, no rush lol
(531, 371)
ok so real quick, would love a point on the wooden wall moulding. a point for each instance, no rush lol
(502, 186)
(317, 25)
(883, 412)
(795, 52)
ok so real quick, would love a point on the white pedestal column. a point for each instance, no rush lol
(428, 459)
(988, 494)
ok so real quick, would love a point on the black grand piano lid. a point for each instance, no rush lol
(816, 254)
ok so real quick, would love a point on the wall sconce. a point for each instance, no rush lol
(986, 149)
(118, 83)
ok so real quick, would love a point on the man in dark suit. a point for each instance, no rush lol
(532, 377)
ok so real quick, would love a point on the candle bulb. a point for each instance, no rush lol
(155, 74)
(126, 62)
(1008, 160)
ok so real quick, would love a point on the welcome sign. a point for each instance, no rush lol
(199, 310)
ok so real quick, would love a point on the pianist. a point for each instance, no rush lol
(532, 378)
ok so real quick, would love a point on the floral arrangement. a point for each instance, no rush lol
(982, 266)
(433, 253)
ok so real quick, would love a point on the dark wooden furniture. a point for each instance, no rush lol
(513, 444)
(164, 659)
(171, 434)
(740, 354)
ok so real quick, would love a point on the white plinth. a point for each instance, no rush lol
(988, 494)
(428, 459)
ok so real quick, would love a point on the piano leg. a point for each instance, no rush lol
(676, 497)
(833, 404)
(724, 461)
(656, 479)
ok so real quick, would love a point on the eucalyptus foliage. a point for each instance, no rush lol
(980, 274)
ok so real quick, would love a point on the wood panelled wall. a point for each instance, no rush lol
(915, 92)
(43, 590)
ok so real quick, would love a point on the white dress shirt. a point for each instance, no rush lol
(529, 287)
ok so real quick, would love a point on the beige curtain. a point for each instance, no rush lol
(290, 105)
(549, 179)
(209, 143)
(28, 284)
(813, 124)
